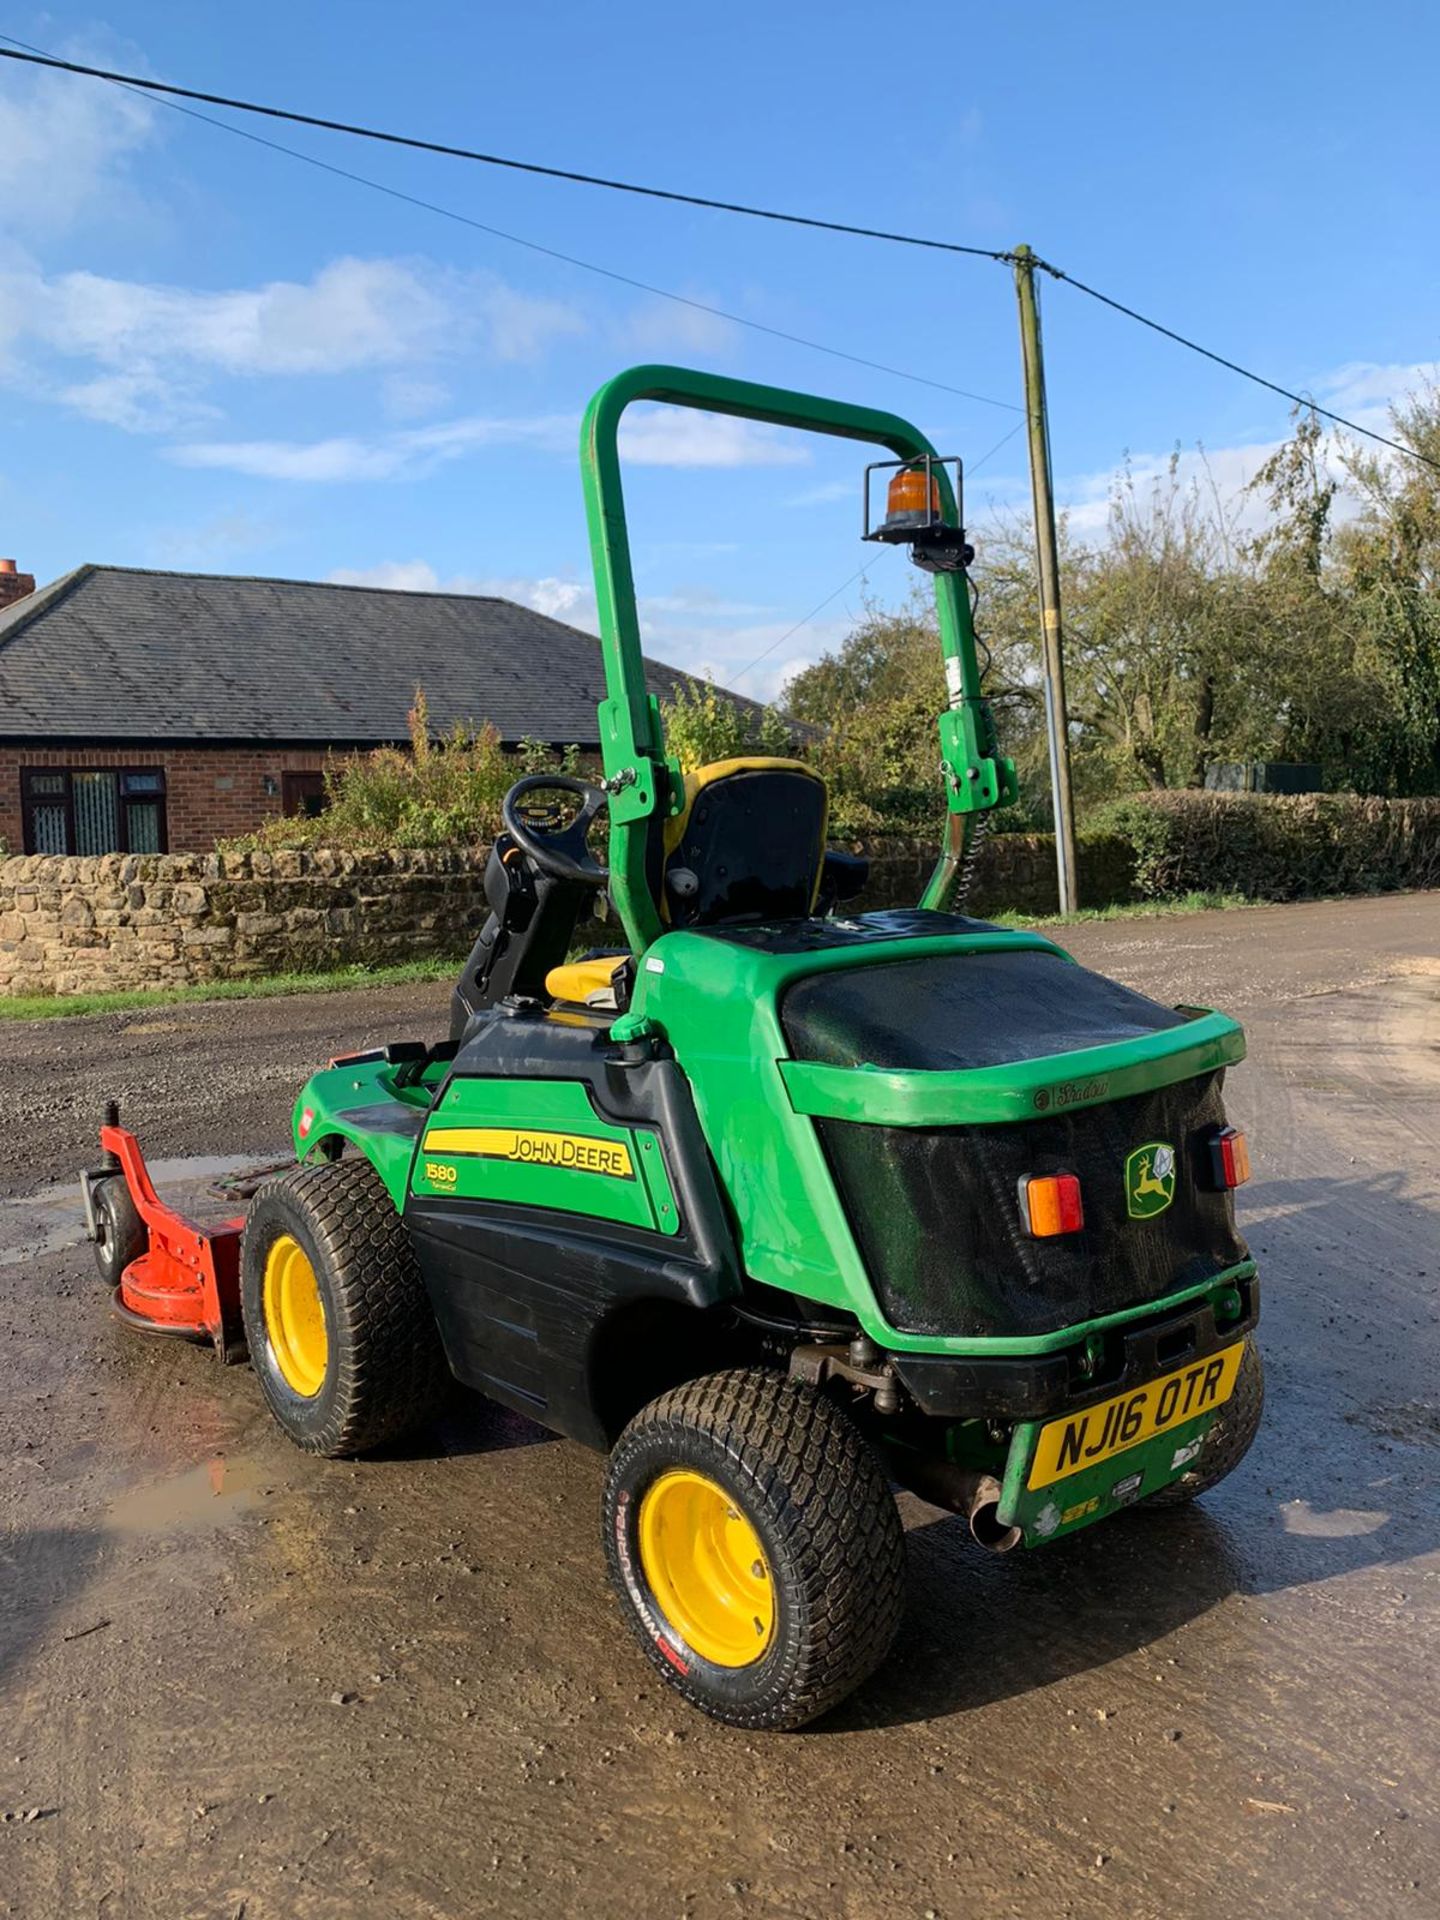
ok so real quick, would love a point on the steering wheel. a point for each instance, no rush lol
(563, 855)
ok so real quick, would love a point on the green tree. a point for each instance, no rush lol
(874, 703)
(1156, 619)
(1351, 604)
(1390, 558)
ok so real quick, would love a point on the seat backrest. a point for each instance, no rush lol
(749, 845)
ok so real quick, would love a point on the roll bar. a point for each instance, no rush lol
(632, 741)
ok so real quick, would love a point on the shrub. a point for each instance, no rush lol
(441, 793)
(1276, 846)
(447, 792)
(703, 725)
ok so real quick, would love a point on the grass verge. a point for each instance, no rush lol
(1132, 910)
(60, 1006)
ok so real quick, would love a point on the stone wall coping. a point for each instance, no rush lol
(87, 870)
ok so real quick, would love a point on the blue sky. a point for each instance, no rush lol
(213, 357)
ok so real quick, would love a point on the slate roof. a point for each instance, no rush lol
(118, 654)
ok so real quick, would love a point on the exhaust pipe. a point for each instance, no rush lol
(957, 1490)
(986, 1527)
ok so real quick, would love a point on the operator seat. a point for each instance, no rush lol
(748, 844)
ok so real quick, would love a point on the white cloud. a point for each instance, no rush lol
(756, 658)
(66, 142)
(353, 314)
(448, 439)
(664, 437)
(694, 630)
(337, 459)
(1221, 475)
(682, 437)
(142, 401)
(569, 600)
(156, 346)
(386, 456)
(1363, 390)
(403, 576)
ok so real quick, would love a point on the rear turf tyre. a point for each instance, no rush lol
(340, 1330)
(1229, 1439)
(755, 1546)
(120, 1234)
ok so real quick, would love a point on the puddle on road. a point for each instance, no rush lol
(1339, 1523)
(54, 1219)
(210, 1495)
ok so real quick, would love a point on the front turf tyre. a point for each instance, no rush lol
(120, 1234)
(1229, 1439)
(340, 1330)
(755, 1546)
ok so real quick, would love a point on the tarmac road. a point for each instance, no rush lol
(235, 1681)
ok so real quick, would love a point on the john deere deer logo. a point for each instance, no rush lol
(1149, 1180)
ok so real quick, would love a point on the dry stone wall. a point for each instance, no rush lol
(122, 921)
(73, 925)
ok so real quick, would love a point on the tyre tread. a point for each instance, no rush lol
(833, 1507)
(1229, 1439)
(390, 1360)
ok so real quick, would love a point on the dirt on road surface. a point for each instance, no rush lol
(237, 1681)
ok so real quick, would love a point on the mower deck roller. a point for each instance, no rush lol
(169, 1274)
(777, 1207)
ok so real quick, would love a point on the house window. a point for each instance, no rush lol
(93, 810)
(303, 793)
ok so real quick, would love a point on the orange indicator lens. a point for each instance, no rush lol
(1051, 1205)
(1230, 1158)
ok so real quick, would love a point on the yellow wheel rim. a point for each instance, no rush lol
(295, 1317)
(706, 1569)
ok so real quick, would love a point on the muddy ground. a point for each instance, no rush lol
(235, 1681)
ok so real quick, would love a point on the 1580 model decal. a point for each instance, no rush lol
(576, 1152)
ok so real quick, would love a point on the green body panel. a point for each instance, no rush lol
(976, 777)
(716, 1002)
(361, 1104)
(1056, 1082)
(557, 1111)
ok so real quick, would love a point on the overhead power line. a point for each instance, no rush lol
(1233, 366)
(20, 51)
(534, 246)
(35, 58)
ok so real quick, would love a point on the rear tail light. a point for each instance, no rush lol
(307, 1120)
(1229, 1158)
(1050, 1204)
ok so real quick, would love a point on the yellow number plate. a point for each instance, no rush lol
(1080, 1440)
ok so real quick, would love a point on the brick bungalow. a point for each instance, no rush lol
(143, 711)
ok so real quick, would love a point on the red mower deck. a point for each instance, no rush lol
(187, 1282)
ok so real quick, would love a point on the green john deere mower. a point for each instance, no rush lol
(778, 1205)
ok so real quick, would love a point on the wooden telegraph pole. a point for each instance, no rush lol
(1047, 555)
